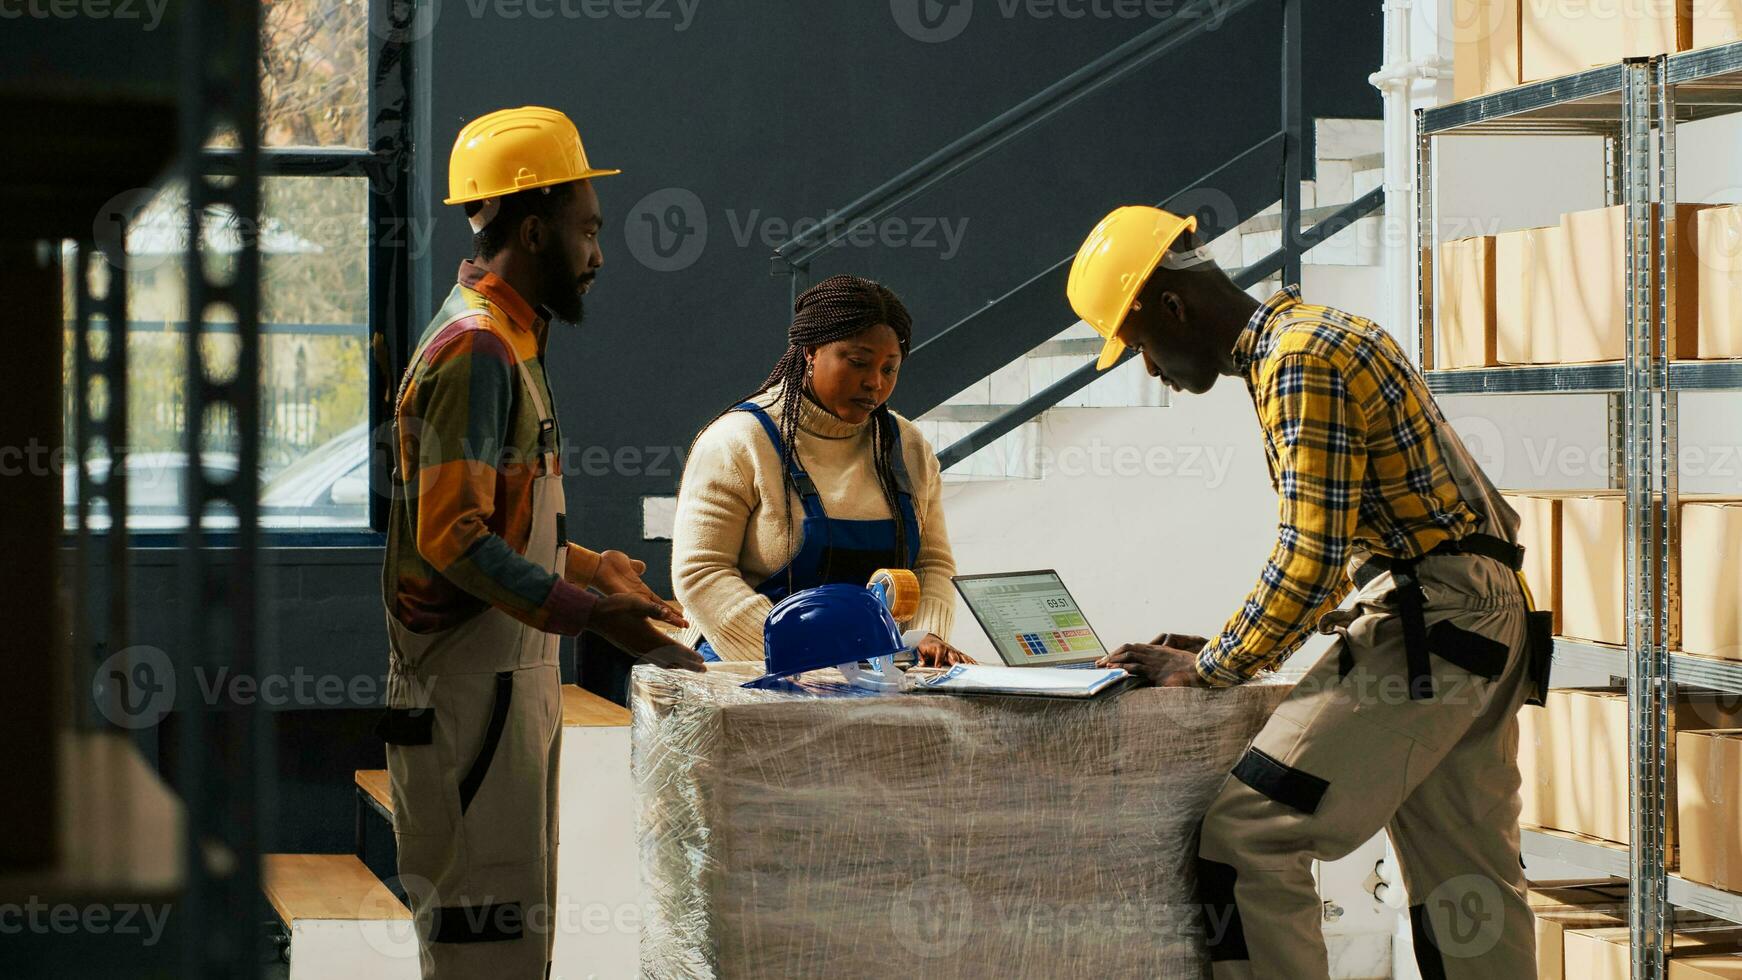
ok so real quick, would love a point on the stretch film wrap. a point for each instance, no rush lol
(784, 834)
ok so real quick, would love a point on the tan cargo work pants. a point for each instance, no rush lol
(1349, 752)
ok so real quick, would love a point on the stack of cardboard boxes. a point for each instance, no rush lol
(1501, 43)
(1697, 952)
(1572, 758)
(1575, 543)
(1581, 934)
(1557, 295)
(1573, 753)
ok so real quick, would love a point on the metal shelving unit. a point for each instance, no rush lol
(1634, 106)
(1694, 671)
(1604, 857)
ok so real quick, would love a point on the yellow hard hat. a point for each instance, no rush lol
(1114, 263)
(516, 150)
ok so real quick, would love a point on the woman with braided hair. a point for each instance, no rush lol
(813, 480)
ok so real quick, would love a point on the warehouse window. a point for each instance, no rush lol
(316, 245)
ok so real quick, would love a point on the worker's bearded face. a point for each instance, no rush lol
(567, 265)
(564, 286)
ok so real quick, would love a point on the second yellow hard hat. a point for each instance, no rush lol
(1114, 263)
(516, 150)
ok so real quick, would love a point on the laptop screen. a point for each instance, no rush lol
(1030, 617)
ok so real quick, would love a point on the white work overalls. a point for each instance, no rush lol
(474, 728)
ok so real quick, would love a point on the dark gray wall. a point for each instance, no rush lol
(783, 109)
(792, 109)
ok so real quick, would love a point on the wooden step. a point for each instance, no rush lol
(584, 709)
(327, 887)
(376, 784)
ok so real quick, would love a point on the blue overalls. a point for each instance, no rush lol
(832, 550)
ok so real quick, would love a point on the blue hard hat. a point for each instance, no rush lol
(826, 626)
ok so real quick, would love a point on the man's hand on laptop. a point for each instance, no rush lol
(1157, 664)
(1180, 641)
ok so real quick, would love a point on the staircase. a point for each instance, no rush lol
(344, 917)
(1349, 163)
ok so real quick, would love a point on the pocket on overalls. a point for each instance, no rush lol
(419, 749)
(1463, 660)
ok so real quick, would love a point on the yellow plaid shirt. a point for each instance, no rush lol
(1348, 433)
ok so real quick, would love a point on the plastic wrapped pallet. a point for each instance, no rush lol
(788, 835)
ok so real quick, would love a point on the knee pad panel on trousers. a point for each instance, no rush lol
(1224, 933)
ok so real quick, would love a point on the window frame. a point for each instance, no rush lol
(385, 163)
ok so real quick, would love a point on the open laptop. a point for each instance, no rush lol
(1031, 619)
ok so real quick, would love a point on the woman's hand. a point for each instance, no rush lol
(934, 652)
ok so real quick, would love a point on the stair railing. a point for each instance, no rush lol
(1276, 262)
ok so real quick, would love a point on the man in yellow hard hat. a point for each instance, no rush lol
(1408, 723)
(481, 581)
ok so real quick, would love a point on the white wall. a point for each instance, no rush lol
(1157, 518)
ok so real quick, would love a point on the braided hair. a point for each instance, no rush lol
(837, 308)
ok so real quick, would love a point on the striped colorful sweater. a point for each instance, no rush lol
(468, 453)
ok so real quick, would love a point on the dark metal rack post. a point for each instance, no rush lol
(224, 753)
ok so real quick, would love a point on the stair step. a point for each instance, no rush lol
(339, 921)
(1308, 218)
(1069, 347)
(327, 887)
(967, 413)
(584, 709)
(1347, 139)
(378, 787)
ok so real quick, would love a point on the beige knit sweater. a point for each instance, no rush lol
(730, 533)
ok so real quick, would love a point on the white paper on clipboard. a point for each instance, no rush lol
(1051, 682)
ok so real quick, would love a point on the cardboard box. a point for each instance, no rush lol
(785, 834)
(1591, 291)
(1560, 906)
(1712, 952)
(1709, 782)
(1593, 569)
(1554, 923)
(1526, 277)
(1716, 22)
(1593, 576)
(1559, 37)
(1485, 46)
(1572, 757)
(1711, 578)
(1718, 245)
(1465, 336)
(1539, 530)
